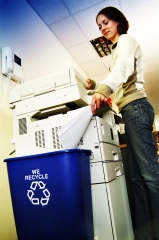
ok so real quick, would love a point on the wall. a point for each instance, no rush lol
(157, 122)
(7, 226)
(31, 40)
(41, 54)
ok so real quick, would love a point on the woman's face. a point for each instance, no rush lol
(108, 28)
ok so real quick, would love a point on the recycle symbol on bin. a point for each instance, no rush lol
(38, 186)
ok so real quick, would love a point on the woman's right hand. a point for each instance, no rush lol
(98, 100)
(88, 81)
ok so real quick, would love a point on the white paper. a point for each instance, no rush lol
(71, 133)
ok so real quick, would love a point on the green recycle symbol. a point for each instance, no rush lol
(31, 192)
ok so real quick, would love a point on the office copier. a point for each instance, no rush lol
(40, 108)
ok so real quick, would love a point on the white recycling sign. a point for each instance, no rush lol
(40, 186)
(31, 192)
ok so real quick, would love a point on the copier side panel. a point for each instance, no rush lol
(120, 211)
(32, 137)
(101, 213)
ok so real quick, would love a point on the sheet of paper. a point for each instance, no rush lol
(71, 133)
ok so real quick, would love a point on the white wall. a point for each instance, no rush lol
(7, 225)
(32, 41)
(42, 54)
(157, 122)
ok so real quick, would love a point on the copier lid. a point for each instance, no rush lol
(45, 84)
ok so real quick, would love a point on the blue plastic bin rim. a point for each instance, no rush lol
(75, 150)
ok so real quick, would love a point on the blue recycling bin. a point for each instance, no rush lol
(51, 195)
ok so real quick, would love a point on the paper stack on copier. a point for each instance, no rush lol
(45, 105)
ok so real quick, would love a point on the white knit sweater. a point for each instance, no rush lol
(126, 73)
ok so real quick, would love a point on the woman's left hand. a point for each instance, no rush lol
(98, 100)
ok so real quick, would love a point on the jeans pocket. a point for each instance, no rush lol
(141, 110)
(147, 112)
(127, 111)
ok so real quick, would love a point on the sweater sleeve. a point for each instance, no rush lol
(123, 68)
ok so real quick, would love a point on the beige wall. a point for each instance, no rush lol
(7, 225)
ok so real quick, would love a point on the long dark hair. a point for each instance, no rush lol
(114, 14)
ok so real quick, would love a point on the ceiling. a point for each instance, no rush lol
(73, 23)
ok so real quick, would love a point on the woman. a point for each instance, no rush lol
(126, 81)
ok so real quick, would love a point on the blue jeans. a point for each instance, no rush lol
(144, 167)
